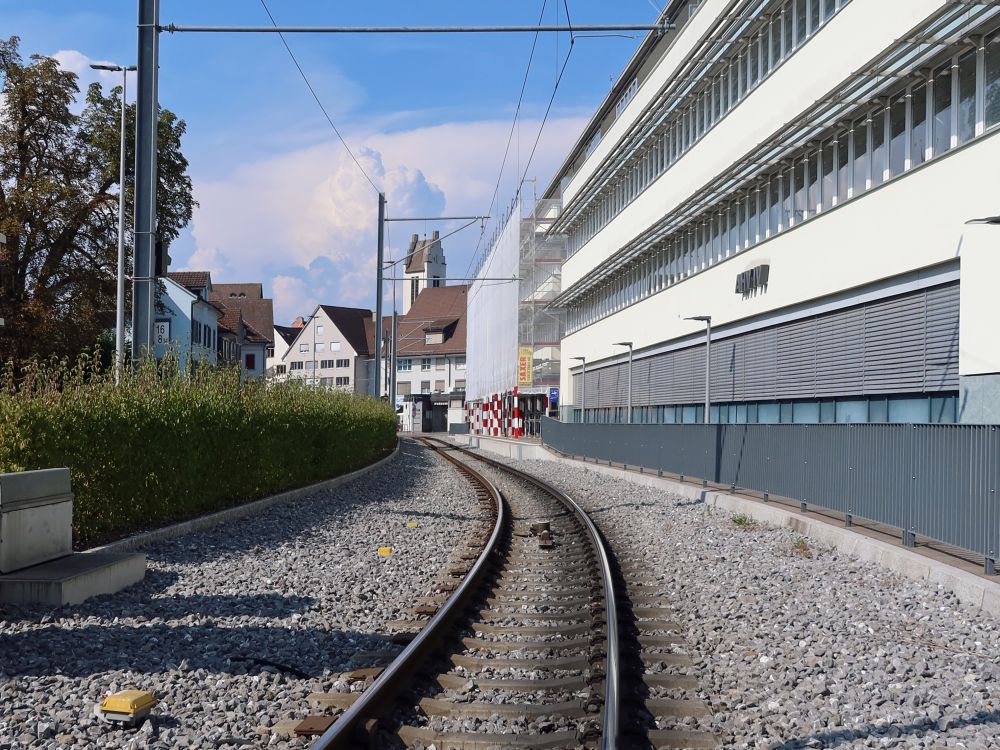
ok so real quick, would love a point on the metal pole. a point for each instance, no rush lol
(392, 361)
(584, 377)
(315, 379)
(120, 298)
(630, 384)
(377, 385)
(144, 227)
(708, 370)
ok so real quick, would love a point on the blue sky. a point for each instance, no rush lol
(428, 116)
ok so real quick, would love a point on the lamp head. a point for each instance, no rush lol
(702, 318)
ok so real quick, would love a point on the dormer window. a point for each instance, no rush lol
(434, 337)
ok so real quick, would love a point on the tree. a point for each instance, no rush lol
(59, 204)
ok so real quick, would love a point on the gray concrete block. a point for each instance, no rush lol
(36, 517)
(72, 579)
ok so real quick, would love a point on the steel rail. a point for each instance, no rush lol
(175, 28)
(612, 691)
(343, 734)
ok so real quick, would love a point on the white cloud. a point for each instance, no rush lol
(77, 62)
(306, 219)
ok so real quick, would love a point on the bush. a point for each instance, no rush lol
(164, 446)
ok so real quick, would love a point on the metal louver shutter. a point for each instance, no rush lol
(894, 345)
(840, 353)
(942, 338)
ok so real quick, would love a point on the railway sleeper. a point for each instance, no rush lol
(482, 741)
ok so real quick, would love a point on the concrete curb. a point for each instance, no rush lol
(239, 511)
(967, 587)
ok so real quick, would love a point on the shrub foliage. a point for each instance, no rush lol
(163, 445)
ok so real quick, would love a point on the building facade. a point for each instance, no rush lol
(801, 173)
(425, 267)
(334, 348)
(185, 323)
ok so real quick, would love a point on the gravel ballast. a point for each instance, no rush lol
(233, 627)
(796, 645)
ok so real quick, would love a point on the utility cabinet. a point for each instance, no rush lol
(36, 518)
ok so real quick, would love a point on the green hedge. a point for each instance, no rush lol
(163, 446)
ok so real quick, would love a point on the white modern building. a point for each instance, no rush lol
(335, 348)
(801, 172)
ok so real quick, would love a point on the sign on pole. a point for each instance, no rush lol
(524, 354)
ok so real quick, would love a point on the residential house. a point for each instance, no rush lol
(334, 348)
(240, 342)
(430, 359)
(282, 337)
(256, 310)
(185, 322)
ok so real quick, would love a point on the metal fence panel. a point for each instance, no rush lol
(934, 481)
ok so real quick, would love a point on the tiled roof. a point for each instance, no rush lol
(231, 318)
(238, 291)
(435, 308)
(418, 252)
(253, 335)
(192, 280)
(288, 333)
(350, 321)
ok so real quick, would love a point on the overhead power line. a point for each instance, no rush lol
(315, 96)
(174, 28)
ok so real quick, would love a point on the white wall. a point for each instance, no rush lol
(492, 322)
(331, 338)
(859, 32)
(909, 223)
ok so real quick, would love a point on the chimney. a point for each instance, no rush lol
(298, 323)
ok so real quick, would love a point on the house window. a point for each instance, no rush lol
(207, 336)
(326, 364)
(195, 332)
(320, 347)
(404, 365)
(310, 365)
(343, 380)
(439, 386)
(296, 365)
(251, 361)
(434, 337)
(459, 363)
(319, 330)
(403, 389)
(343, 363)
(279, 370)
(334, 346)
(425, 386)
(459, 385)
(303, 347)
(440, 363)
(425, 364)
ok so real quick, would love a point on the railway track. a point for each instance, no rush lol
(525, 649)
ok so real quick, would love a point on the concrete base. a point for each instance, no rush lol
(528, 450)
(968, 587)
(979, 399)
(72, 579)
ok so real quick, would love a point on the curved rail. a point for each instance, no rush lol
(343, 733)
(612, 692)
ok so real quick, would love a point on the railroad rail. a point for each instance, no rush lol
(540, 669)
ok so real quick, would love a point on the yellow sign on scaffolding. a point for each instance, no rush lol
(524, 354)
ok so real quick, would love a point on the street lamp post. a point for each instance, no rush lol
(629, 345)
(120, 301)
(707, 320)
(583, 399)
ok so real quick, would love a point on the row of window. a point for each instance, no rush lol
(405, 364)
(203, 334)
(957, 102)
(404, 389)
(320, 346)
(330, 364)
(746, 68)
(938, 408)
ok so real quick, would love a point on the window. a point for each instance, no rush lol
(897, 136)
(404, 365)
(439, 386)
(343, 363)
(425, 386)
(320, 346)
(942, 110)
(195, 332)
(325, 364)
(310, 365)
(403, 389)
(459, 363)
(334, 346)
(829, 179)
(918, 131)
(967, 97)
(296, 365)
(343, 380)
(425, 364)
(878, 148)
(459, 385)
(439, 363)
(250, 360)
(303, 347)
(861, 163)
(280, 369)
(319, 330)
(992, 82)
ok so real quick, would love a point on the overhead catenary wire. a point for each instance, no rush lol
(315, 96)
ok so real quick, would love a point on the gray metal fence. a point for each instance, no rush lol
(934, 481)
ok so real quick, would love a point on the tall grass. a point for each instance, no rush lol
(165, 445)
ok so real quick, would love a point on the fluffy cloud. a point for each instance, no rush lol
(306, 219)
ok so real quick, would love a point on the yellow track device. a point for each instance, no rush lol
(126, 707)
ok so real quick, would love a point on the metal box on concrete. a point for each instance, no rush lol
(36, 518)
